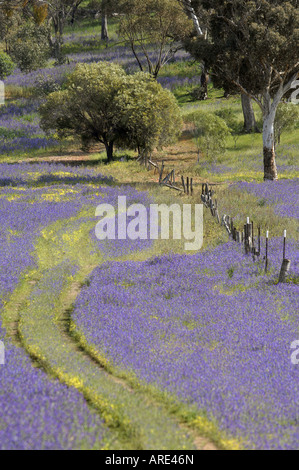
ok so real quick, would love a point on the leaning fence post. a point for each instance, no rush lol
(267, 249)
(249, 232)
(285, 268)
(284, 244)
(161, 172)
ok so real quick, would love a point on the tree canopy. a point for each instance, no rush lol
(153, 29)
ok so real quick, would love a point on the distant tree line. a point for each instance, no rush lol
(101, 103)
(249, 48)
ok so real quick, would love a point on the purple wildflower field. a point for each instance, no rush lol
(20, 130)
(19, 122)
(38, 413)
(211, 329)
(284, 195)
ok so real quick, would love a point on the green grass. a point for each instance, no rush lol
(139, 415)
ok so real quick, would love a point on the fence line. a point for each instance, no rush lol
(246, 236)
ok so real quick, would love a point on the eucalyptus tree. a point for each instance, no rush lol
(152, 29)
(9, 14)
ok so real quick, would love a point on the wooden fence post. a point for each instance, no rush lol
(267, 249)
(284, 244)
(285, 268)
(249, 233)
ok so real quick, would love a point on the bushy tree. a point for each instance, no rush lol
(210, 133)
(6, 65)
(8, 15)
(14, 13)
(100, 103)
(28, 46)
(45, 85)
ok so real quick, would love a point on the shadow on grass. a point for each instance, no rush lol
(52, 179)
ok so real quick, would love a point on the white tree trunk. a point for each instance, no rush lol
(270, 168)
(191, 13)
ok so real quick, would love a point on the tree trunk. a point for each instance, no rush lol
(109, 150)
(204, 85)
(270, 168)
(250, 124)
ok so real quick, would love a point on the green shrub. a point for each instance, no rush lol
(287, 119)
(210, 133)
(7, 66)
